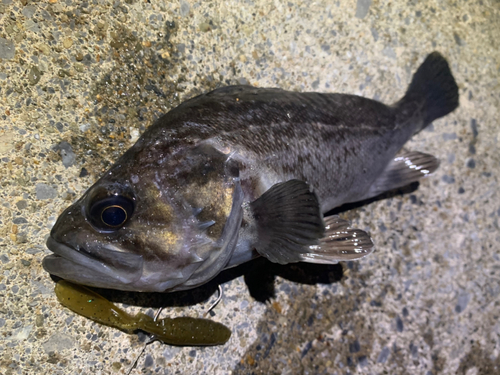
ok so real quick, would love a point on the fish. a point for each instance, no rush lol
(242, 172)
(174, 331)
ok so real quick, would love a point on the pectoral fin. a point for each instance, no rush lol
(402, 171)
(290, 228)
(288, 220)
(340, 243)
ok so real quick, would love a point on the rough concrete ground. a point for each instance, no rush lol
(79, 81)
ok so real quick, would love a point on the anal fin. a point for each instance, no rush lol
(288, 220)
(340, 243)
(403, 170)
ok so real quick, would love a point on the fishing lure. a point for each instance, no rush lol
(174, 331)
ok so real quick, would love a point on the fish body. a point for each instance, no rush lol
(241, 172)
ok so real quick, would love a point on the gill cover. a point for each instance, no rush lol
(212, 188)
(215, 260)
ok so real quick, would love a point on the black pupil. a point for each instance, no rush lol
(114, 216)
(111, 213)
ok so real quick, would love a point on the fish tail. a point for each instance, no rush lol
(434, 85)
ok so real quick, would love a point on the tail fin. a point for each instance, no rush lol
(433, 84)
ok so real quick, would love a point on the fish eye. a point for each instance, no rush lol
(111, 213)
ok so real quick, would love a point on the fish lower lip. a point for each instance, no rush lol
(117, 269)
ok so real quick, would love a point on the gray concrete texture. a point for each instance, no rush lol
(81, 80)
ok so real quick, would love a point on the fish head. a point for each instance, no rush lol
(151, 223)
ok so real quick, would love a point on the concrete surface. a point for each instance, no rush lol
(79, 81)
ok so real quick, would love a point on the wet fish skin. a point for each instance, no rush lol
(202, 181)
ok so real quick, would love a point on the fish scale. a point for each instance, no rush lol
(242, 172)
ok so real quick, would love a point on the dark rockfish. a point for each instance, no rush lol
(240, 172)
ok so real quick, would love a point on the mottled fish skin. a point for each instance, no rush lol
(193, 175)
(317, 138)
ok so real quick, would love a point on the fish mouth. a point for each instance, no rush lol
(110, 269)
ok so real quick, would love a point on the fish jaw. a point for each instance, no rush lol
(131, 259)
(140, 256)
(71, 264)
(106, 267)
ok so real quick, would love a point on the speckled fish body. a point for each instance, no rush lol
(240, 172)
